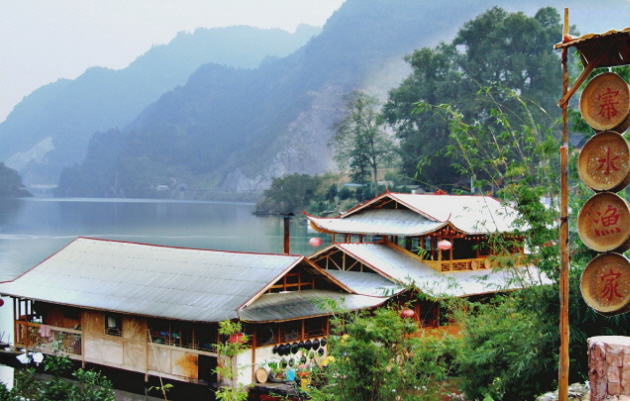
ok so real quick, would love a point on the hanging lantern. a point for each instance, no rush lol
(237, 338)
(407, 313)
(444, 245)
(315, 242)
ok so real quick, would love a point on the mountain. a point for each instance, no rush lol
(51, 127)
(231, 130)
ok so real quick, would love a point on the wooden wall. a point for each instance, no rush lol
(133, 349)
(128, 351)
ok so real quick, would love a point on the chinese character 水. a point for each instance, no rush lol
(607, 163)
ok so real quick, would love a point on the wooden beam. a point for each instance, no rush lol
(588, 68)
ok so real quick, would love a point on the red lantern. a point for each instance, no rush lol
(444, 245)
(237, 338)
(407, 313)
(315, 242)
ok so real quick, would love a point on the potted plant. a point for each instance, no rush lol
(275, 372)
(304, 374)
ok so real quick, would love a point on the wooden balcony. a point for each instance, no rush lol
(48, 339)
(443, 266)
(458, 265)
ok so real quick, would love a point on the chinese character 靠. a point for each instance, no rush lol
(607, 105)
(607, 163)
(611, 285)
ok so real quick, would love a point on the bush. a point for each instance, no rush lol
(505, 351)
(379, 357)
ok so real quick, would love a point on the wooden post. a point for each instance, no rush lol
(287, 234)
(609, 367)
(563, 370)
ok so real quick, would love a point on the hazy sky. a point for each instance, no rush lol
(43, 40)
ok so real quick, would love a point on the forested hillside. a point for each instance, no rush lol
(230, 130)
(51, 127)
(10, 184)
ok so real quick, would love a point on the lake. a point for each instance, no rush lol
(32, 229)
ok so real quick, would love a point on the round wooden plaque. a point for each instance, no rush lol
(605, 284)
(605, 103)
(604, 162)
(604, 223)
(262, 375)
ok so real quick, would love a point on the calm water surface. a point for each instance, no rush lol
(34, 228)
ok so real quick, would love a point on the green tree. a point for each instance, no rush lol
(497, 48)
(227, 370)
(379, 357)
(360, 142)
(291, 193)
(506, 349)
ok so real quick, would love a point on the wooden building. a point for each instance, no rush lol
(441, 245)
(155, 309)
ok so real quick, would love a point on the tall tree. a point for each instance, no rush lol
(360, 141)
(499, 49)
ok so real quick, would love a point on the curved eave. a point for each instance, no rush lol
(379, 222)
(319, 224)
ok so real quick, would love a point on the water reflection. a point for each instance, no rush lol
(32, 229)
(9, 209)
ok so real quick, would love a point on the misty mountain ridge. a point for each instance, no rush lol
(51, 127)
(232, 130)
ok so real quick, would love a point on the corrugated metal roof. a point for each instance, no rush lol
(367, 283)
(151, 280)
(397, 265)
(469, 214)
(301, 304)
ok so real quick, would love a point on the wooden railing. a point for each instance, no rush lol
(49, 339)
(458, 264)
(473, 264)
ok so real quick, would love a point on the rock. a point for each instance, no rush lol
(577, 392)
(608, 363)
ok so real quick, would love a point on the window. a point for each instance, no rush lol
(315, 327)
(113, 325)
(178, 334)
(265, 335)
(291, 331)
(207, 336)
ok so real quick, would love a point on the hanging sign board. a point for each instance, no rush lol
(605, 284)
(605, 103)
(604, 162)
(604, 223)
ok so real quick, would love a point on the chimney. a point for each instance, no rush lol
(287, 236)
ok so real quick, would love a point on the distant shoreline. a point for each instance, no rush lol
(131, 200)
